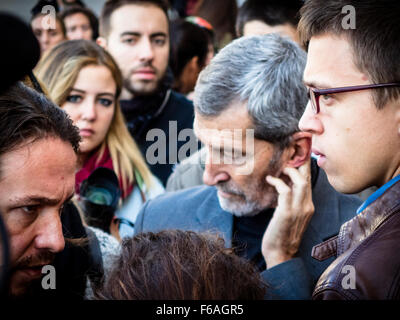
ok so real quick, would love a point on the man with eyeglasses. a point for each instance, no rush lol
(353, 80)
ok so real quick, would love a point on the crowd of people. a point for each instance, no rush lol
(201, 150)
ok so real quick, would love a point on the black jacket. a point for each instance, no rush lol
(164, 112)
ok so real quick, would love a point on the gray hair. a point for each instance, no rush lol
(264, 71)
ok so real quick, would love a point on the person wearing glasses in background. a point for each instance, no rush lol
(353, 80)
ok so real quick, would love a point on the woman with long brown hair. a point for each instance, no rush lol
(84, 80)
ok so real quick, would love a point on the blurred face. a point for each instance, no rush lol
(46, 36)
(139, 42)
(241, 191)
(257, 27)
(91, 106)
(356, 143)
(36, 180)
(78, 27)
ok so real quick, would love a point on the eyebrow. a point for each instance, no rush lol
(38, 200)
(138, 34)
(319, 85)
(99, 94)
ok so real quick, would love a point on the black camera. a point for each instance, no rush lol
(99, 196)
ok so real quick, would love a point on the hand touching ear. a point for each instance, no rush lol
(295, 208)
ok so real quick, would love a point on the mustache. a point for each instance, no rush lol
(230, 188)
(144, 65)
(43, 258)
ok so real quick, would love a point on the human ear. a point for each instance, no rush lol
(102, 42)
(300, 149)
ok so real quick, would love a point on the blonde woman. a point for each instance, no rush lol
(83, 79)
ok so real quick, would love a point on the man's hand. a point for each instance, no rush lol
(291, 217)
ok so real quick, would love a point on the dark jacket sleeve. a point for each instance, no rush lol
(289, 280)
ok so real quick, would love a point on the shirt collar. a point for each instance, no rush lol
(377, 193)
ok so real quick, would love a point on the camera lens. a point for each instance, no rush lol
(99, 195)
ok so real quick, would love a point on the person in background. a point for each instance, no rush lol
(221, 15)
(269, 16)
(83, 79)
(189, 51)
(49, 30)
(65, 4)
(80, 23)
(212, 47)
(180, 265)
(136, 33)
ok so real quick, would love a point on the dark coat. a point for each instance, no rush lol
(368, 249)
(178, 113)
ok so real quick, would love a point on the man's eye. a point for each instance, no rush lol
(159, 42)
(326, 97)
(30, 209)
(74, 98)
(53, 33)
(129, 41)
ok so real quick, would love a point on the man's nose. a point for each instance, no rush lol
(309, 121)
(214, 172)
(49, 234)
(146, 50)
(79, 34)
(44, 40)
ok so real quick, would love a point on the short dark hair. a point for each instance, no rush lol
(271, 12)
(176, 265)
(26, 116)
(375, 41)
(188, 40)
(93, 21)
(111, 5)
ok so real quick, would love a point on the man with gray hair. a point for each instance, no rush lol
(260, 178)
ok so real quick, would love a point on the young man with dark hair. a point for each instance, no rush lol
(269, 16)
(136, 33)
(80, 23)
(38, 147)
(35, 183)
(353, 80)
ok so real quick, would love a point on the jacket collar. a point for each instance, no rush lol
(213, 218)
(361, 226)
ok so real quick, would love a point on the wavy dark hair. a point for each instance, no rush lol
(93, 21)
(180, 265)
(26, 116)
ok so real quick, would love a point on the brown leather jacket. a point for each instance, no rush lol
(368, 251)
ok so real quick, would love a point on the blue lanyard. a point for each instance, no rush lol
(378, 193)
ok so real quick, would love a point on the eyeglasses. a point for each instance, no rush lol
(314, 93)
